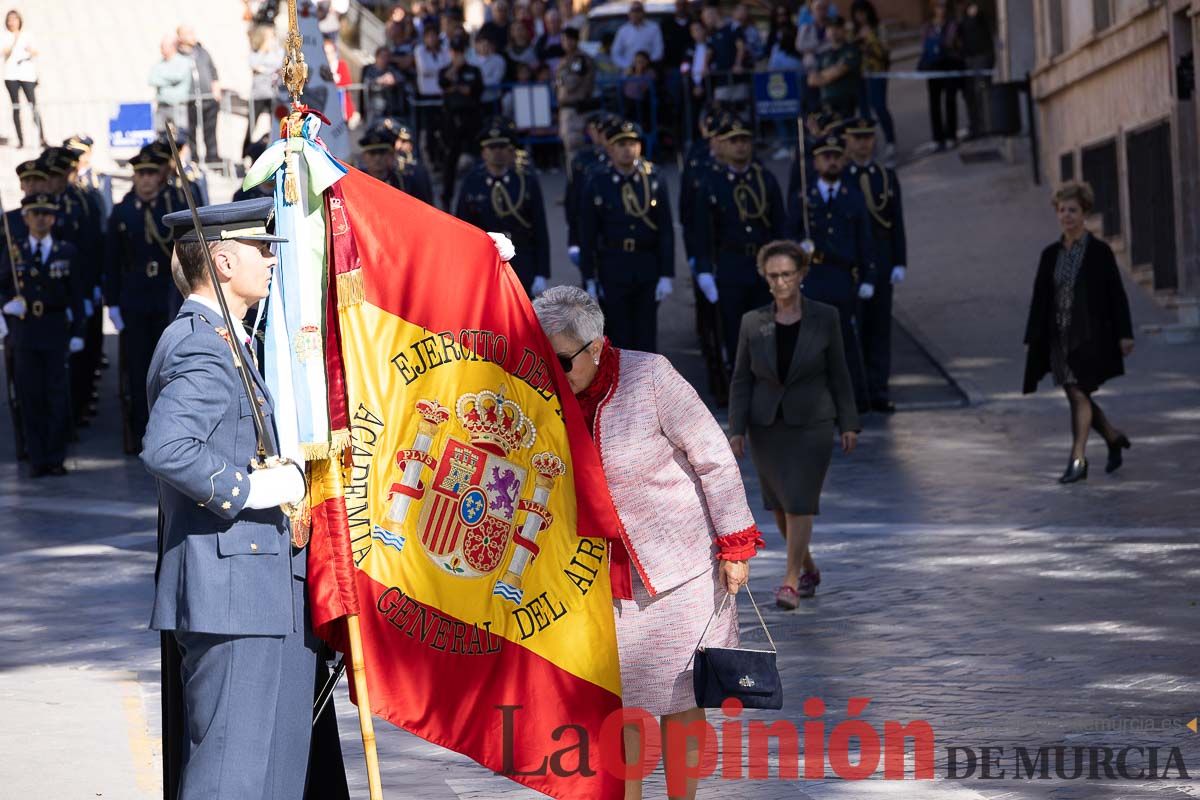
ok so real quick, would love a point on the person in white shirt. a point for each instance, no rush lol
(432, 57)
(20, 72)
(636, 36)
(491, 65)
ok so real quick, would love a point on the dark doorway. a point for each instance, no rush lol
(1152, 203)
(1099, 166)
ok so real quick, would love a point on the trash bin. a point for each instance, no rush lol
(1003, 108)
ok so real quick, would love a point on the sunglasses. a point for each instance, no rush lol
(569, 361)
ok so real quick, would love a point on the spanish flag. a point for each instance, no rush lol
(467, 523)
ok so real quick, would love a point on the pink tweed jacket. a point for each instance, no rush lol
(674, 480)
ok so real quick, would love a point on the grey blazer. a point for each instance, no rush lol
(222, 568)
(817, 387)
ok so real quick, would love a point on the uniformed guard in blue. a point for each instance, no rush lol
(502, 196)
(141, 295)
(33, 181)
(230, 585)
(739, 209)
(44, 311)
(381, 161)
(843, 264)
(591, 153)
(881, 188)
(627, 241)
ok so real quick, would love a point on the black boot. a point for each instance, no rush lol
(1115, 460)
(1077, 470)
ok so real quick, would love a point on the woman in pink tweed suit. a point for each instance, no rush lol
(686, 527)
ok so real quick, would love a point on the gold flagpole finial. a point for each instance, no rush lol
(295, 71)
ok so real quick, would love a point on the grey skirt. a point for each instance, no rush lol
(791, 463)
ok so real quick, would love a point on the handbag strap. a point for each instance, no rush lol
(758, 613)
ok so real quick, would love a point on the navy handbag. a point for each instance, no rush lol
(751, 676)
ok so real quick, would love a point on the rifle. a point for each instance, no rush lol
(806, 244)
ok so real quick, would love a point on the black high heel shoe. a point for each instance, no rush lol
(1076, 471)
(1115, 459)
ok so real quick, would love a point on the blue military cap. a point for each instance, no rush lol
(79, 143)
(497, 130)
(57, 160)
(148, 158)
(397, 127)
(731, 125)
(829, 144)
(379, 138)
(39, 202)
(627, 129)
(248, 220)
(30, 169)
(612, 123)
(859, 126)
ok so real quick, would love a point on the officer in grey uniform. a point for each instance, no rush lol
(230, 585)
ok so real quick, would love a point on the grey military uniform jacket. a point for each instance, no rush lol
(223, 568)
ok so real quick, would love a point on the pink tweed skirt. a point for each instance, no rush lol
(657, 638)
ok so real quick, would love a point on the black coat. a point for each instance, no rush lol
(1099, 319)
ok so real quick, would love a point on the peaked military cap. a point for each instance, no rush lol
(148, 158)
(39, 202)
(379, 138)
(57, 160)
(731, 125)
(710, 121)
(612, 123)
(395, 126)
(79, 143)
(497, 130)
(860, 126)
(628, 129)
(250, 220)
(830, 144)
(30, 169)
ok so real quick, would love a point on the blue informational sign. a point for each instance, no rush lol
(133, 126)
(777, 95)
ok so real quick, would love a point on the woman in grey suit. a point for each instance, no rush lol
(790, 386)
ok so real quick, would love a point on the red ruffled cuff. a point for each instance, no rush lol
(739, 546)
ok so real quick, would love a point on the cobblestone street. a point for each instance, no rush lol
(960, 584)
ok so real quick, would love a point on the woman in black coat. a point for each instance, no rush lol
(1079, 326)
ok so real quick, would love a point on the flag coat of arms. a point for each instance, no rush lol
(466, 524)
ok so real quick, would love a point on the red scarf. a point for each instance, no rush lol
(602, 386)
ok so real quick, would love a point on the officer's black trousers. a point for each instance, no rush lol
(208, 111)
(734, 300)
(876, 329)
(835, 286)
(631, 315)
(140, 336)
(44, 395)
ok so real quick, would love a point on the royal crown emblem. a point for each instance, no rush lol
(492, 419)
(474, 506)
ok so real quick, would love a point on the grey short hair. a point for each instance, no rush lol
(569, 310)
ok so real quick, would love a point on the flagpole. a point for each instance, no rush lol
(295, 73)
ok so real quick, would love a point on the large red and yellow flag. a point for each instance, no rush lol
(466, 526)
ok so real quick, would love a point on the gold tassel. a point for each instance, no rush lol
(350, 291)
(315, 451)
(339, 442)
(291, 179)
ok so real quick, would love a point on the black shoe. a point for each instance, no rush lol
(39, 472)
(1076, 471)
(58, 470)
(883, 406)
(1115, 460)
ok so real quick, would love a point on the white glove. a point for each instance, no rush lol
(866, 291)
(15, 307)
(708, 286)
(539, 284)
(3, 327)
(593, 290)
(573, 254)
(88, 308)
(114, 316)
(75, 345)
(898, 274)
(504, 246)
(275, 486)
(663, 289)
